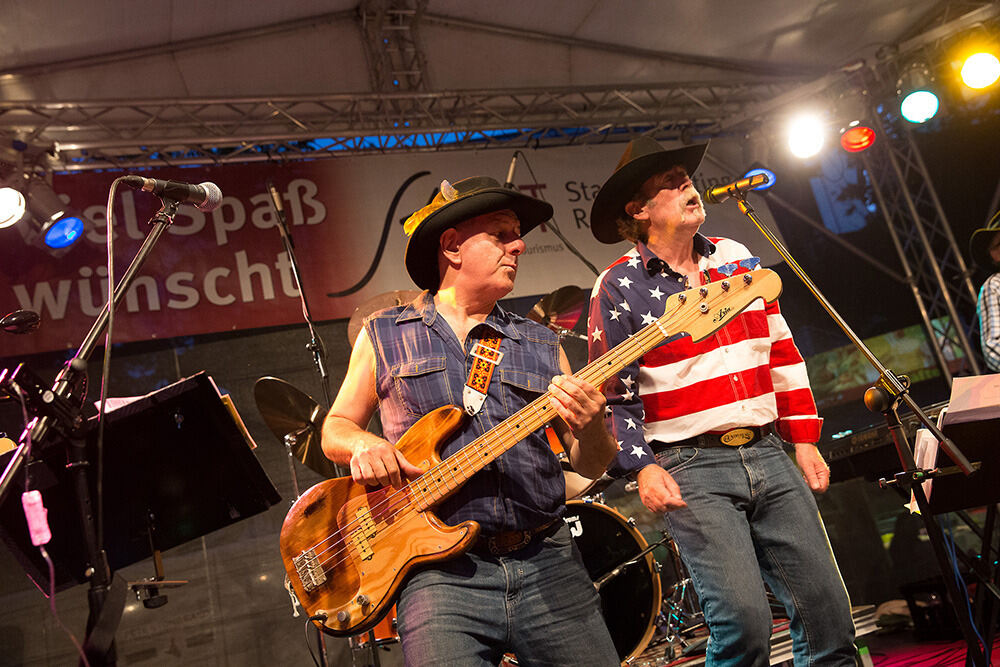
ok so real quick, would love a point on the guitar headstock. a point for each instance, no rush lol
(701, 311)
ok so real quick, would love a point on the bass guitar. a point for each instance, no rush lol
(347, 547)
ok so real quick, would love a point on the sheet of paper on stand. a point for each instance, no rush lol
(974, 398)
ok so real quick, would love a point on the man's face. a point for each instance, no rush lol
(671, 202)
(489, 246)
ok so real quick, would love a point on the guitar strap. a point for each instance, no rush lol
(487, 357)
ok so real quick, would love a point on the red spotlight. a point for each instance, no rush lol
(857, 139)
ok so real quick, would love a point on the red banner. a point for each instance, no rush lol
(227, 270)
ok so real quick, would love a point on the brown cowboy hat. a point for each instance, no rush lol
(453, 204)
(643, 157)
(979, 242)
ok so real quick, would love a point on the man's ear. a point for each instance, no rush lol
(449, 243)
(635, 209)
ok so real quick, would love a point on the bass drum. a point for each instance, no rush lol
(630, 601)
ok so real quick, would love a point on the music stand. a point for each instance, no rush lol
(177, 466)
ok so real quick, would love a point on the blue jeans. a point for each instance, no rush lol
(749, 507)
(538, 603)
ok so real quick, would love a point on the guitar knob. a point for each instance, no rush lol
(363, 600)
(343, 617)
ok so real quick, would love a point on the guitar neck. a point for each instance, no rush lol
(698, 312)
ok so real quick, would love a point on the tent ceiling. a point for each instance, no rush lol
(194, 82)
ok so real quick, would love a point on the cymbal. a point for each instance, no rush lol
(384, 300)
(561, 310)
(287, 410)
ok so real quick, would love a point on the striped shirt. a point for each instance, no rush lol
(748, 373)
(988, 307)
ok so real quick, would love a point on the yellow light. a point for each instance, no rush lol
(980, 70)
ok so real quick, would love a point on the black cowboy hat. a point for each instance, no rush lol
(643, 157)
(451, 205)
(979, 242)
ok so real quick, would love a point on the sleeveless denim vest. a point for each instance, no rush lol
(421, 365)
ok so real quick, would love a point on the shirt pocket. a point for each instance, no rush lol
(521, 387)
(421, 385)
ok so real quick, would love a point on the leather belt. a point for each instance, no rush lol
(509, 541)
(735, 437)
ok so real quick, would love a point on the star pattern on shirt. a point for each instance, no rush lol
(624, 306)
(628, 395)
(648, 319)
(614, 313)
(625, 282)
(630, 424)
(656, 293)
(596, 334)
(638, 451)
(628, 381)
(634, 261)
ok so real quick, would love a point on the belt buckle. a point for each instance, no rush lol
(504, 543)
(737, 437)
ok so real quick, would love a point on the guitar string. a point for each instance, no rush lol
(497, 436)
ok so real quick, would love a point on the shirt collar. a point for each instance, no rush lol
(654, 264)
(423, 308)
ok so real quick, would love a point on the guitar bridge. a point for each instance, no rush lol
(310, 571)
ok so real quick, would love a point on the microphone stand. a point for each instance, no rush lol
(59, 409)
(315, 346)
(885, 397)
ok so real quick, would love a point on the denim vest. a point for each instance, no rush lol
(421, 365)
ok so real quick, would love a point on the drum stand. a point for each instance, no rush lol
(680, 615)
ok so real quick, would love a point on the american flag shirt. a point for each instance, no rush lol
(748, 373)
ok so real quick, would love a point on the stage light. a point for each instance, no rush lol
(11, 207)
(60, 228)
(857, 138)
(980, 70)
(918, 103)
(805, 136)
(771, 178)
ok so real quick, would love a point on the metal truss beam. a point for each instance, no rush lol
(134, 133)
(927, 249)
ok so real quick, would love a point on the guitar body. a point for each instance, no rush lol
(348, 547)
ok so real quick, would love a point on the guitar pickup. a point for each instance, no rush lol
(310, 572)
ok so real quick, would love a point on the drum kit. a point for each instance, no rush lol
(646, 602)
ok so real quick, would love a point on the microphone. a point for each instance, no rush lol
(20, 322)
(509, 183)
(721, 193)
(206, 196)
(279, 208)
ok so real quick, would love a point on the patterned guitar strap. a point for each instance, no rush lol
(487, 356)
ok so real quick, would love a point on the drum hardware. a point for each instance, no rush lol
(632, 561)
(560, 310)
(376, 639)
(297, 420)
(611, 547)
